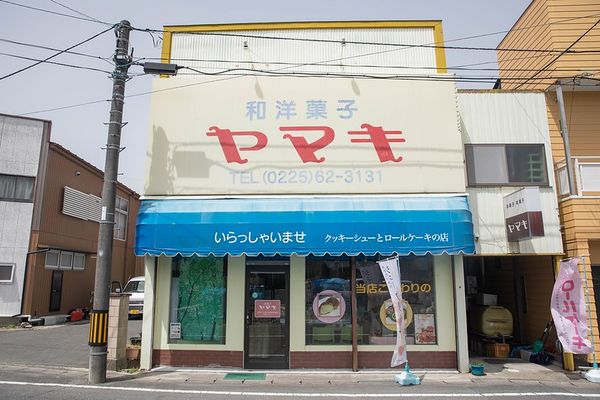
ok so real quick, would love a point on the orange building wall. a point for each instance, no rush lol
(555, 25)
(550, 25)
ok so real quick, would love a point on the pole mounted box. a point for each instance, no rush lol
(160, 68)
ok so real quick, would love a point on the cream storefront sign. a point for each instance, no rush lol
(303, 135)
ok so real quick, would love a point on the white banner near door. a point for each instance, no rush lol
(391, 273)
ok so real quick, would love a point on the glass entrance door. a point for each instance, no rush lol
(267, 330)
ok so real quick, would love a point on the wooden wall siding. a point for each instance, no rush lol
(539, 280)
(581, 109)
(581, 224)
(531, 31)
(564, 34)
(543, 26)
(68, 233)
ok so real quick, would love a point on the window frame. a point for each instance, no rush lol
(17, 178)
(470, 172)
(12, 273)
(78, 268)
(59, 256)
(124, 212)
(176, 265)
(51, 266)
(60, 262)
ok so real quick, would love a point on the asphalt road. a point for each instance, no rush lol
(51, 363)
(55, 345)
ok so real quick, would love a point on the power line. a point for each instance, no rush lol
(292, 74)
(55, 63)
(457, 68)
(526, 27)
(37, 46)
(55, 13)
(548, 64)
(389, 44)
(56, 54)
(67, 107)
(443, 78)
(77, 12)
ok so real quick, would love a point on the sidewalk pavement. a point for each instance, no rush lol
(505, 373)
(501, 372)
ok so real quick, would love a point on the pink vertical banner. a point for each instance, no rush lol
(391, 273)
(568, 309)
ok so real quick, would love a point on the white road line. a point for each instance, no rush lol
(296, 394)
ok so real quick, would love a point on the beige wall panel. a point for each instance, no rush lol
(185, 158)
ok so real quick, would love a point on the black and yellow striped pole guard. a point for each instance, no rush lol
(98, 328)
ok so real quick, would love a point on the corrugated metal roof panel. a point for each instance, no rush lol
(289, 51)
(504, 117)
(508, 118)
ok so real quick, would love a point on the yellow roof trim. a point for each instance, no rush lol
(436, 25)
(440, 52)
(302, 25)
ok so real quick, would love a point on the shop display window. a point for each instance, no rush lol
(375, 312)
(328, 301)
(198, 300)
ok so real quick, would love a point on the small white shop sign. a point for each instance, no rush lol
(175, 330)
(523, 214)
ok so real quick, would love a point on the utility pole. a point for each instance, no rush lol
(98, 336)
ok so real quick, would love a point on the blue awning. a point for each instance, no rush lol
(323, 225)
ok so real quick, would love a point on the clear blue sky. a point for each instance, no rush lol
(81, 129)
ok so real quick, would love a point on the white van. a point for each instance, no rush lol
(135, 287)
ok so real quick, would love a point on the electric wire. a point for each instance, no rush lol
(457, 68)
(55, 12)
(456, 79)
(446, 41)
(549, 63)
(56, 54)
(37, 46)
(77, 12)
(401, 45)
(445, 78)
(222, 77)
(55, 63)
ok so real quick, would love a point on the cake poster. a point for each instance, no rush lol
(329, 306)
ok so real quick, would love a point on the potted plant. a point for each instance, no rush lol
(477, 368)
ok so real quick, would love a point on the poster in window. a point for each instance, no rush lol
(329, 306)
(425, 329)
(175, 330)
(388, 316)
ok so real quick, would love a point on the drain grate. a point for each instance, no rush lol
(246, 376)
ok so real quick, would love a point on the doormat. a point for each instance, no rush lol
(246, 376)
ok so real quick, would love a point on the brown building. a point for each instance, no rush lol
(57, 198)
(560, 35)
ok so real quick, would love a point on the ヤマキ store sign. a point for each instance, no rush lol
(249, 135)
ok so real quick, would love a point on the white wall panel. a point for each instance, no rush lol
(508, 118)
(225, 50)
(20, 144)
(490, 232)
